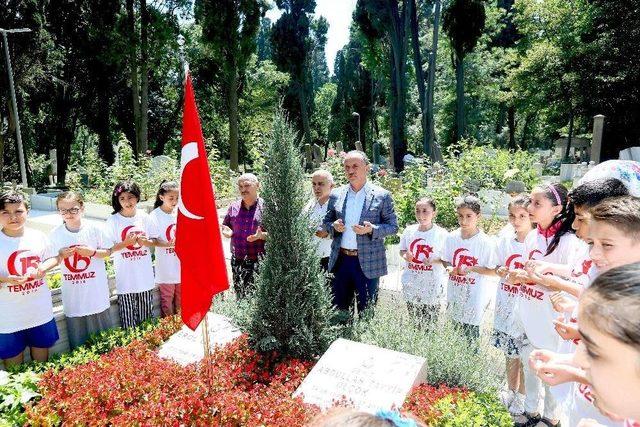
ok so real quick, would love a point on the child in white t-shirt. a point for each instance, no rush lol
(614, 237)
(85, 289)
(552, 242)
(424, 278)
(26, 309)
(469, 258)
(164, 217)
(131, 232)
(508, 333)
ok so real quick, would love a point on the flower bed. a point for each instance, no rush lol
(235, 386)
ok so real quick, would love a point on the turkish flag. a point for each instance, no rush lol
(198, 243)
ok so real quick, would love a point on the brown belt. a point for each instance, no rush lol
(349, 252)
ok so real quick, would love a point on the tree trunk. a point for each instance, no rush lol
(511, 122)
(232, 100)
(399, 26)
(304, 111)
(103, 119)
(431, 133)
(570, 134)
(417, 64)
(144, 72)
(133, 70)
(460, 122)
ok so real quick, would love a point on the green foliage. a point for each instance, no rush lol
(291, 310)
(450, 358)
(54, 281)
(97, 344)
(465, 165)
(16, 390)
(477, 409)
(223, 177)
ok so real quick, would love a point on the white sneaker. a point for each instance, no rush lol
(507, 397)
(517, 405)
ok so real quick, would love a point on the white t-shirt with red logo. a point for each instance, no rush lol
(468, 296)
(85, 289)
(134, 272)
(167, 262)
(512, 255)
(581, 406)
(534, 306)
(29, 304)
(422, 282)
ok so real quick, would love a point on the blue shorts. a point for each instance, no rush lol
(14, 343)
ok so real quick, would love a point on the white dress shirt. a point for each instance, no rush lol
(353, 210)
(317, 213)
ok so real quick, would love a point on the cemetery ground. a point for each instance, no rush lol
(118, 378)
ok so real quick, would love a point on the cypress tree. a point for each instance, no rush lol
(291, 310)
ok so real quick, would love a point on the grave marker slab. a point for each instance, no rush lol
(372, 378)
(186, 346)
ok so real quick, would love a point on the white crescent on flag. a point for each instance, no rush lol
(189, 152)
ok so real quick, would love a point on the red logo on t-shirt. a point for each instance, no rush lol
(516, 264)
(132, 229)
(171, 232)
(20, 263)
(533, 252)
(77, 263)
(460, 259)
(416, 248)
(586, 266)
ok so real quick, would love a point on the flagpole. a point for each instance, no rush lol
(205, 324)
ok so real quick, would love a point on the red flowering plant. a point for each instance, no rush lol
(235, 386)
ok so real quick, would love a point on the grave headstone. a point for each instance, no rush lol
(308, 156)
(538, 168)
(359, 146)
(339, 147)
(186, 346)
(369, 377)
(317, 155)
(596, 142)
(376, 153)
(53, 166)
(161, 163)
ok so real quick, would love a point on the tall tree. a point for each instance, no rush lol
(264, 40)
(319, 68)
(609, 70)
(464, 22)
(388, 21)
(291, 46)
(431, 148)
(229, 29)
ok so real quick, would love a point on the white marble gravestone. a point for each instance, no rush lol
(369, 377)
(186, 346)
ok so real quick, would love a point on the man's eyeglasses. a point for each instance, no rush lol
(71, 211)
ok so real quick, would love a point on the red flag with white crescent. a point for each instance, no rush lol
(198, 242)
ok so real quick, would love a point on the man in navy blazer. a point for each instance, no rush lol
(359, 216)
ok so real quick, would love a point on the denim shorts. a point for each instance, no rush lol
(14, 343)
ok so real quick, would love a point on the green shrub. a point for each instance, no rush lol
(97, 344)
(16, 390)
(477, 409)
(450, 358)
(291, 311)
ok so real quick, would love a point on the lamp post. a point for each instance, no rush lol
(354, 114)
(14, 104)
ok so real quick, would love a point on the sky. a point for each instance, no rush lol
(338, 14)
